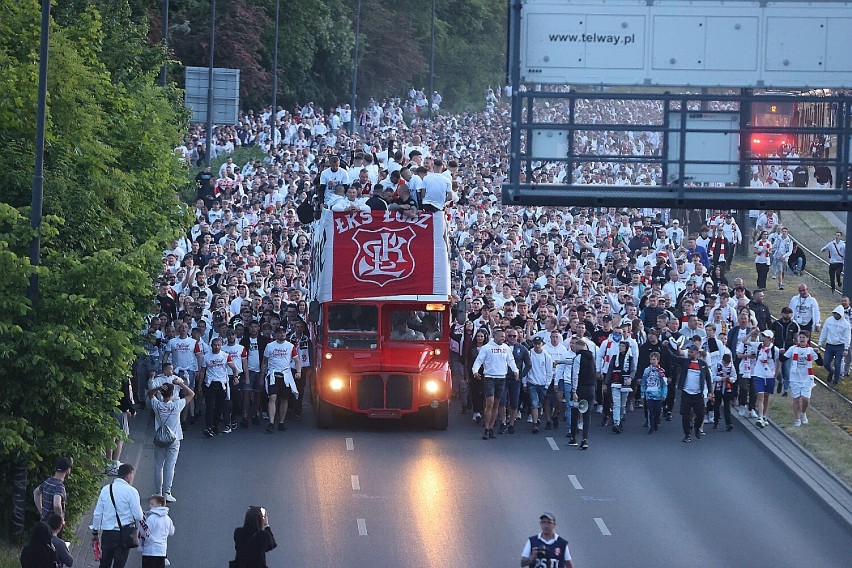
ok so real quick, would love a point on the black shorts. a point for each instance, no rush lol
(494, 387)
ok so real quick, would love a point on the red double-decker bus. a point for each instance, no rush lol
(380, 284)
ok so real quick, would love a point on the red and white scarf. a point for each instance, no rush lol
(718, 243)
(809, 358)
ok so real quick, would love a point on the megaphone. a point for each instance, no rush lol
(583, 406)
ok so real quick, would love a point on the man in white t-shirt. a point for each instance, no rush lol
(281, 365)
(185, 353)
(436, 190)
(331, 177)
(239, 356)
(803, 358)
(215, 365)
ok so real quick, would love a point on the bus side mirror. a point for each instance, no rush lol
(314, 312)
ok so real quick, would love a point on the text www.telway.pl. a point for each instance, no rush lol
(594, 38)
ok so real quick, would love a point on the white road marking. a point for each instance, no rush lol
(356, 483)
(362, 527)
(574, 482)
(602, 526)
(350, 444)
(553, 445)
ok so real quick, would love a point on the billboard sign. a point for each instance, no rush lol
(725, 43)
(226, 94)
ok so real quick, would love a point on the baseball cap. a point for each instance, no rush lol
(537, 339)
(768, 333)
(63, 464)
(547, 515)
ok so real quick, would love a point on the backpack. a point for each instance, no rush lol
(164, 436)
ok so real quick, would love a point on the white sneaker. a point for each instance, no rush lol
(598, 409)
(752, 414)
(797, 422)
(518, 416)
(741, 411)
(804, 418)
(169, 498)
(477, 417)
(529, 418)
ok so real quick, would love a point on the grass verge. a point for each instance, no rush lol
(829, 435)
(820, 436)
(10, 557)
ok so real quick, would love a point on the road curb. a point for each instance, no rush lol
(821, 482)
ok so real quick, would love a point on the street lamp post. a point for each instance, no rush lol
(274, 75)
(210, 83)
(432, 63)
(165, 41)
(21, 470)
(355, 68)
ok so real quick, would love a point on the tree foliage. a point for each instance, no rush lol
(316, 44)
(110, 207)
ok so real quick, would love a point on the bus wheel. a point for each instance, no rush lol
(325, 414)
(442, 416)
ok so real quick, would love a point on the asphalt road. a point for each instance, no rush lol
(390, 495)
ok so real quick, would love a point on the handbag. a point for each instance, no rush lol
(129, 536)
(164, 436)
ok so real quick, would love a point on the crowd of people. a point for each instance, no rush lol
(559, 313)
(626, 309)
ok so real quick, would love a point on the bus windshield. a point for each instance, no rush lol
(352, 326)
(415, 325)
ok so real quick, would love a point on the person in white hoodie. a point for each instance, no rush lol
(834, 338)
(154, 532)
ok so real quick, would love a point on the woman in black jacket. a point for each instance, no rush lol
(253, 540)
(39, 552)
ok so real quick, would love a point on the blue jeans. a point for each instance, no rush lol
(833, 361)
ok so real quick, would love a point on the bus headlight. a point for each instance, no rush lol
(336, 385)
(436, 352)
(432, 386)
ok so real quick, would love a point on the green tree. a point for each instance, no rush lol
(111, 182)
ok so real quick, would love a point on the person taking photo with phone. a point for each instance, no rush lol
(253, 540)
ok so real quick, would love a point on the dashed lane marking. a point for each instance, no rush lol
(362, 527)
(350, 444)
(356, 483)
(602, 526)
(553, 445)
(574, 482)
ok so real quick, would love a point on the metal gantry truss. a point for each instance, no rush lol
(704, 150)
